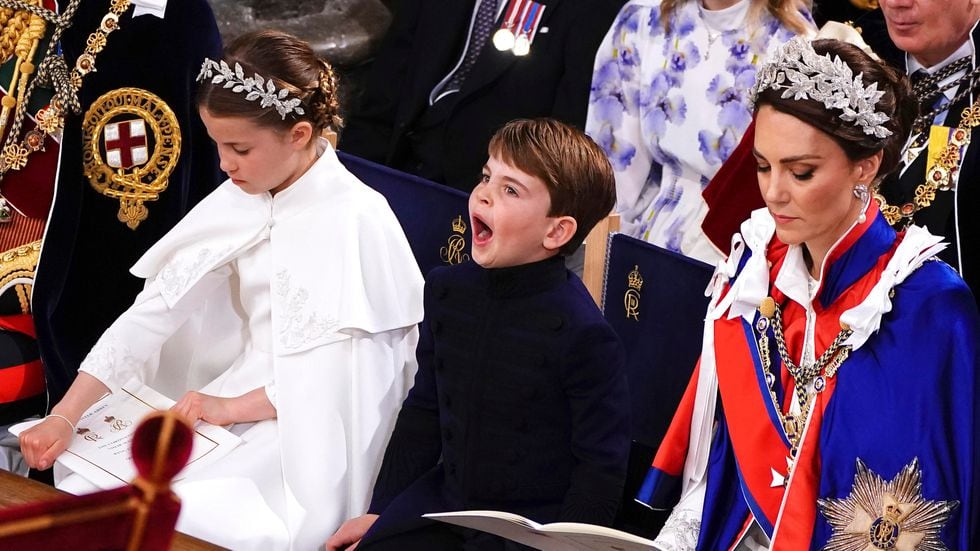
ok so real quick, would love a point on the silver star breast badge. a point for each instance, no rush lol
(886, 515)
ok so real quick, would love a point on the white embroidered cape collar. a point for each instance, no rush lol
(326, 230)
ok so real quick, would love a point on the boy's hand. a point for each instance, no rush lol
(350, 533)
(44, 442)
(214, 410)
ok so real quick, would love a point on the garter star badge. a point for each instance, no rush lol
(886, 515)
(131, 143)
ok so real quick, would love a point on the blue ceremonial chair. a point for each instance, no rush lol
(435, 217)
(654, 299)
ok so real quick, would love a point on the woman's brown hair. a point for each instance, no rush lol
(897, 103)
(291, 65)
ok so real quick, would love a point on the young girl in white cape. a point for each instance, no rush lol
(285, 304)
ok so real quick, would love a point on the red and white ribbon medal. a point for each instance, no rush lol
(519, 27)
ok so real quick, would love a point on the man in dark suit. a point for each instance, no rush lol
(409, 117)
(937, 184)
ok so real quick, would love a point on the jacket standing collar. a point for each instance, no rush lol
(527, 279)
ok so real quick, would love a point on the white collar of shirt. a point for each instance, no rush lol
(793, 277)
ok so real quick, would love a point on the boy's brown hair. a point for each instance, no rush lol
(575, 170)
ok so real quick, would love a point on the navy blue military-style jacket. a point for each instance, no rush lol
(520, 403)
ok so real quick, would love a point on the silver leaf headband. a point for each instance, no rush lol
(801, 73)
(254, 87)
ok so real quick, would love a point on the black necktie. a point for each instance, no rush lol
(925, 88)
(486, 15)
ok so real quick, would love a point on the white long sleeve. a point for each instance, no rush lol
(129, 347)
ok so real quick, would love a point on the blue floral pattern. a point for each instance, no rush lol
(669, 107)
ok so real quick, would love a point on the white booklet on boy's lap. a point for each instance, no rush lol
(557, 536)
(101, 448)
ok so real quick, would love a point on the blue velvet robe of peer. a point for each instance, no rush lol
(908, 393)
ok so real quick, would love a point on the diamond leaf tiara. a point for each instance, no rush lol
(254, 87)
(801, 73)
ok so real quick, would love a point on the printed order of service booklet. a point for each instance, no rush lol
(557, 536)
(101, 450)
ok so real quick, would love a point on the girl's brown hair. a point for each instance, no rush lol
(291, 65)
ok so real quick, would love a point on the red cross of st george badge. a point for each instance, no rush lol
(125, 143)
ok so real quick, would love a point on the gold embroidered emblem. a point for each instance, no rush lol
(131, 144)
(631, 300)
(886, 515)
(453, 253)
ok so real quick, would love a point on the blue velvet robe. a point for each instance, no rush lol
(906, 397)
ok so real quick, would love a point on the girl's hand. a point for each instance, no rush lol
(350, 533)
(44, 442)
(214, 410)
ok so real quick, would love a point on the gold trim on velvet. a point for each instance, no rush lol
(145, 161)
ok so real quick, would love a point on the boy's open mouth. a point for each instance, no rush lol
(481, 231)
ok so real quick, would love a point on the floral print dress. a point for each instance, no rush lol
(669, 107)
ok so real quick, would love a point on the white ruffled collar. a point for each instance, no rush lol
(753, 284)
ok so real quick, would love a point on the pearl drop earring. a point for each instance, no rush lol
(861, 193)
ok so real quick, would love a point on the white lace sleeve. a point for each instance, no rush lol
(129, 347)
(683, 526)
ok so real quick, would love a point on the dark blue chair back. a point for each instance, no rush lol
(654, 299)
(435, 217)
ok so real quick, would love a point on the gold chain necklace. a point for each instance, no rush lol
(52, 118)
(939, 177)
(817, 373)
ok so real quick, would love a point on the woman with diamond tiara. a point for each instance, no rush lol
(285, 305)
(835, 402)
(669, 103)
